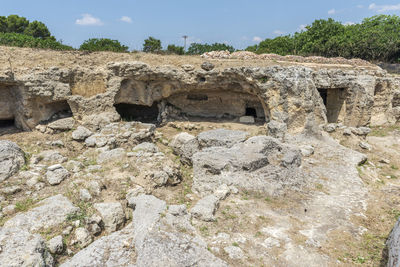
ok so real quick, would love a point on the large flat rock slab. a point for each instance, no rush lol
(19, 248)
(50, 212)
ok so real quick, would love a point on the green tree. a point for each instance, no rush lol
(152, 45)
(282, 45)
(3, 24)
(16, 24)
(316, 39)
(103, 44)
(173, 49)
(23, 40)
(37, 29)
(198, 49)
(376, 38)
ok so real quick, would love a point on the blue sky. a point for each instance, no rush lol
(237, 22)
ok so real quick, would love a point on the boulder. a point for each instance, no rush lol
(277, 129)
(150, 240)
(393, 246)
(365, 145)
(111, 155)
(81, 133)
(185, 145)
(82, 237)
(113, 215)
(56, 245)
(221, 137)
(234, 252)
(12, 158)
(146, 147)
(115, 249)
(49, 156)
(247, 119)
(56, 174)
(50, 212)
(262, 163)
(84, 195)
(330, 128)
(62, 124)
(96, 140)
(205, 208)
(22, 248)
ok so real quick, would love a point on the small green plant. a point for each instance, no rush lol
(204, 230)
(24, 205)
(360, 260)
(235, 244)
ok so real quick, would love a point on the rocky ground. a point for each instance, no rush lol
(197, 194)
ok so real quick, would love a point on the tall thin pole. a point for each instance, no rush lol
(184, 37)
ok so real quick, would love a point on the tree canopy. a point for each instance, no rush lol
(103, 44)
(17, 24)
(174, 49)
(198, 49)
(152, 45)
(376, 38)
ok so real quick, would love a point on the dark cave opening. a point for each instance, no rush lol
(131, 112)
(251, 112)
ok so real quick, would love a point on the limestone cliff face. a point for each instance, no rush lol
(294, 95)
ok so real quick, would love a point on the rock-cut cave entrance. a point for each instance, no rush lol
(48, 112)
(251, 112)
(217, 105)
(7, 107)
(131, 112)
(334, 101)
(7, 123)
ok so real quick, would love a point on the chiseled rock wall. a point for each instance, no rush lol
(286, 94)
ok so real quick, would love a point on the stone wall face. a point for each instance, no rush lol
(6, 103)
(284, 94)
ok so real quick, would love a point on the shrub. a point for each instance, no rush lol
(173, 49)
(198, 49)
(152, 45)
(23, 40)
(103, 44)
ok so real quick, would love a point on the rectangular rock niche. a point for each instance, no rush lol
(6, 123)
(334, 100)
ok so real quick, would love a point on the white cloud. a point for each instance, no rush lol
(89, 20)
(278, 32)
(348, 23)
(257, 39)
(302, 27)
(383, 8)
(126, 19)
(332, 11)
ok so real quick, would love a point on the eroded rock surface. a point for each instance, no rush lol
(261, 163)
(12, 158)
(150, 240)
(49, 213)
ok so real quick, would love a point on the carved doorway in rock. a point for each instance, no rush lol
(334, 100)
(142, 113)
(217, 105)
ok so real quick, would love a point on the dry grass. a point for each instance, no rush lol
(24, 59)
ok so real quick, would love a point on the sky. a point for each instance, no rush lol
(236, 22)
